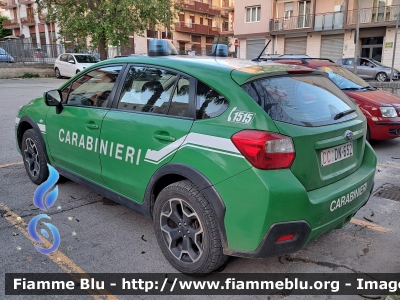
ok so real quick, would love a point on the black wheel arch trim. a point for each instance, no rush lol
(38, 131)
(201, 181)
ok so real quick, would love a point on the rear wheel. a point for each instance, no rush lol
(186, 229)
(34, 157)
(57, 72)
(381, 77)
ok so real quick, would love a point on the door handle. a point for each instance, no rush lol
(164, 137)
(92, 126)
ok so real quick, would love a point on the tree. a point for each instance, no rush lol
(4, 32)
(222, 40)
(106, 22)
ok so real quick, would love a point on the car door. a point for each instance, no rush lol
(70, 67)
(364, 69)
(149, 121)
(73, 135)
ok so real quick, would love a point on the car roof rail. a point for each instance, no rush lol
(303, 60)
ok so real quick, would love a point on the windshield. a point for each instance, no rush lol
(344, 79)
(301, 100)
(378, 63)
(86, 59)
(2, 51)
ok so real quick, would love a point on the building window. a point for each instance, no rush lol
(288, 10)
(253, 14)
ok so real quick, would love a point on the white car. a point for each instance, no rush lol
(69, 64)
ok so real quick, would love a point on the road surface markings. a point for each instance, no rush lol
(58, 257)
(370, 225)
(11, 164)
(390, 166)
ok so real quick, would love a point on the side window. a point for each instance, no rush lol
(210, 104)
(93, 88)
(64, 57)
(180, 100)
(70, 57)
(350, 61)
(147, 90)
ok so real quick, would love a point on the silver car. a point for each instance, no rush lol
(368, 68)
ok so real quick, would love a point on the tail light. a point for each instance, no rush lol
(265, 150)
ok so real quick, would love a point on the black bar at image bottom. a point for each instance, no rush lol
(210, 284)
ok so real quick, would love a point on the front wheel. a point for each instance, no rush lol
(34, 157)
(186, 229)
(382, 77)
(57, 72)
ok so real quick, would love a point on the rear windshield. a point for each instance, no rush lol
(309, 100)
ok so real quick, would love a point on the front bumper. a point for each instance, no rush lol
(385, 130)
(274, 203)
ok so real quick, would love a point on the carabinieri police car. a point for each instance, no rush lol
(226, 156)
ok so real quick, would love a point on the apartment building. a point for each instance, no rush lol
(26, 22)
(198, 24)
(323, 28)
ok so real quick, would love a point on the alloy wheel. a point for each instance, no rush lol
(32, 157)
(182, 230)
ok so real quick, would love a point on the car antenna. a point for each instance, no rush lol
(258, 58)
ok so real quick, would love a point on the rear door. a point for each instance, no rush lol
(148, 123)
(308, 109)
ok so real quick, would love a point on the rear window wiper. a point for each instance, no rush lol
(343, 113)
(351, 89)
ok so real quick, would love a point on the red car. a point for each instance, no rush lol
(381, 108)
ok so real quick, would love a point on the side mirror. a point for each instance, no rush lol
(53, 98)
(71, 61)
(372, 66)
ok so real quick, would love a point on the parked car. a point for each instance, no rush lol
(227, 157)
(368, 68)
(70, 64)
(382, 109)
(5, 57)
(39, 53)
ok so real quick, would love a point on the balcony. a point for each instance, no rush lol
(199, 7)
(227, 28)
(383, 15)
(196, 28)
(292, 23)
(28, 21)
(26, 2)
(9, 4)
(228, 5)
(42, 17)
(329, 21)
(10, 24)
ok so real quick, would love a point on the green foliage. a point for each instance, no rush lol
(106, 22)
(29, 75)
(4, 32)
(222, 40)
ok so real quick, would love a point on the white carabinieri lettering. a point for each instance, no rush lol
(106, 148)
(342, 201)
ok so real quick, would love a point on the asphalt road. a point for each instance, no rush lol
(98, 235)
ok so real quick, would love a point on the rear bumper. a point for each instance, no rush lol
(283, 207)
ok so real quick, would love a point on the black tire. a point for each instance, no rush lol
(382, 77)
(184, 202)
(368, 136)
(57, 72)
(34, 157)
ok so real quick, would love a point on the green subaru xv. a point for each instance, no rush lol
(226, 156)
